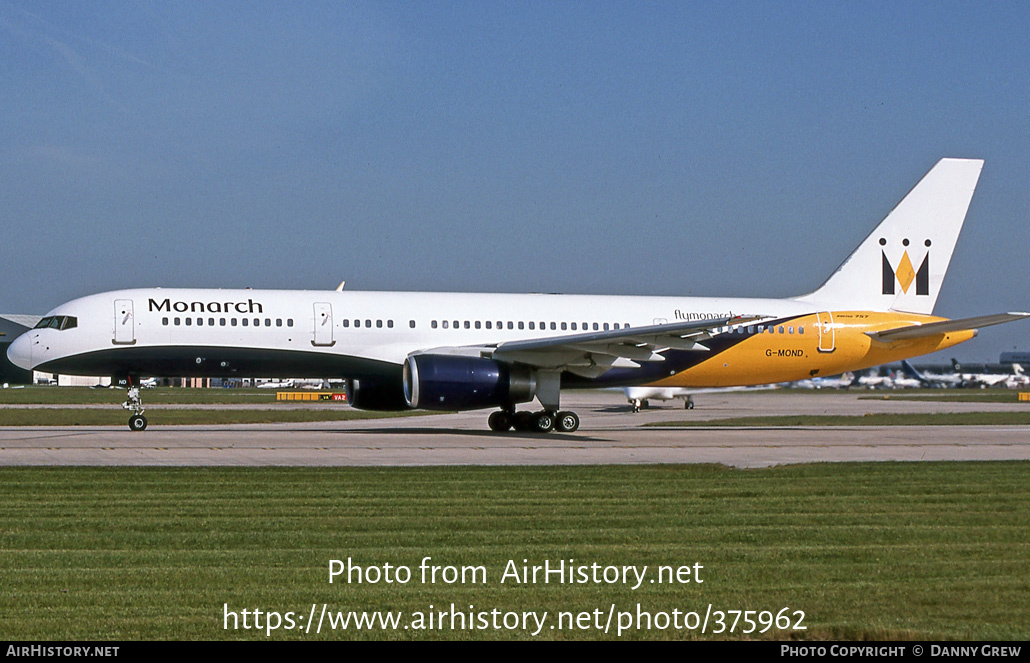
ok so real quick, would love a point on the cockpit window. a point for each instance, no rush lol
(58, 322)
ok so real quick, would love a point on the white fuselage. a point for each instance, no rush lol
(381, 327)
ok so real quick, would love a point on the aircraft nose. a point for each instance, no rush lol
(20, 352)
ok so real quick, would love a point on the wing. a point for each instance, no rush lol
(590, 354)
(945, 326)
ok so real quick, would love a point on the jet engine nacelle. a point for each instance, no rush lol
(451, 382)
(370, 394)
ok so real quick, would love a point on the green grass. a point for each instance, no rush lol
(952, 396)
(186, 417)
(867, 551)
(896, 419)
(158, 396)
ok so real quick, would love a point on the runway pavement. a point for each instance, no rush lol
(610, 434)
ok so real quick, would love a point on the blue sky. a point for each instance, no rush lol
(738, 149)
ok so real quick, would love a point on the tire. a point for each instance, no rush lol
(568, 422)
(543, 423)
(137, 423)
(500, 422)
(524, 421)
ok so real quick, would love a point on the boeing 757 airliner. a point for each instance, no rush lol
(459, 351)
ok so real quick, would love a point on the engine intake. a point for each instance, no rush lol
(449, 382)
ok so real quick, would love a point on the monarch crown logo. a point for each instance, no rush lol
(905, 273)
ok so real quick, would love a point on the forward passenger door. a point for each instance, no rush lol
(323, 334)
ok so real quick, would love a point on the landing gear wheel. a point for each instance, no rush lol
(689, 405)
(500, 422)
(524, 421)
(568, 422)
(137, 422)
(543, 422)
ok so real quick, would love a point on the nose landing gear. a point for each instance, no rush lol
(137, 422)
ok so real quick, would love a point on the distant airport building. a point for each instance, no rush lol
(1015, 358)
(11, 327)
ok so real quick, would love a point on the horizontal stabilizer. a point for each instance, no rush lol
(945, 326)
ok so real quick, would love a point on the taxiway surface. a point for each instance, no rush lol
(610, 434)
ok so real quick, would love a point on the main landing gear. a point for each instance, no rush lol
(544, 421)
(548, 392)
(137, 422)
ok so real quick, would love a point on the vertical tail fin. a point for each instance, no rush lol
(910, 371)
(900, 266)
